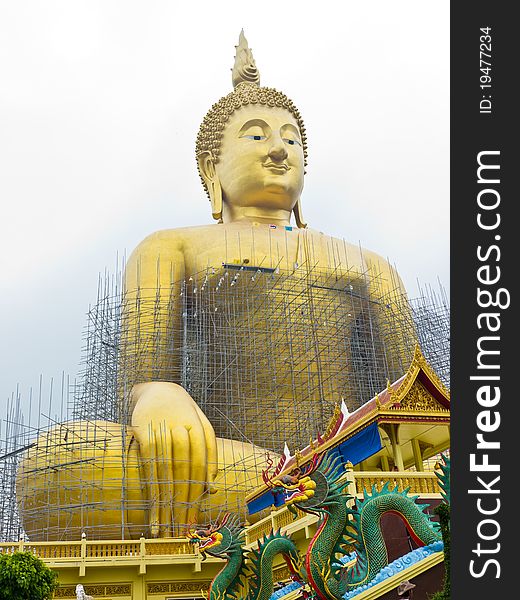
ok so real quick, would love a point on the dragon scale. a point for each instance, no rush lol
(261, 583)
(340, 525)
(329, 577)
(368, 526)
(225, 583)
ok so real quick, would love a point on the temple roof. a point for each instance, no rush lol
(418, 401)
(418, 395)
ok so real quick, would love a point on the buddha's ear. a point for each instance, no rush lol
(209, 175)
(298, 215)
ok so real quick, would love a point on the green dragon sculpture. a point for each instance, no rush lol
(340, 526)
(225, 540)
(444, 477)
(318, 488)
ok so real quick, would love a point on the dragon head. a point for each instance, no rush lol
(317, 481)
(219, 539)
(298, 488)
(303, 487)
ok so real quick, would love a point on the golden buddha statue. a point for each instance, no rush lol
(286, 362)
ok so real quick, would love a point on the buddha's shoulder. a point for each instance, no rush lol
(354, 252)
(174, 239)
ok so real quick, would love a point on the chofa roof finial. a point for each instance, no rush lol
(244, 69)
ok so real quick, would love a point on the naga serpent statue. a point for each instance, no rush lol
(225, 540)
(318, 488)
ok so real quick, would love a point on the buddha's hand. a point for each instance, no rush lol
(178, 452)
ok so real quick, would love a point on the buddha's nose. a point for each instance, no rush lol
(277, 151)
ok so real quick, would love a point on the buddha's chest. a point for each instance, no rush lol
(285, 248)
(270, 305)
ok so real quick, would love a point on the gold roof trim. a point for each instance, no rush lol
(419, 363)
(417, 399)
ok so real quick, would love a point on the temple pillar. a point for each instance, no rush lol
(385, 465)
(393, 433)
(417, 455)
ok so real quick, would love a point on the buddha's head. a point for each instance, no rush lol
(251, 148)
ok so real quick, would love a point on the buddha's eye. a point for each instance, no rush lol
(292, 142)
(255, 137)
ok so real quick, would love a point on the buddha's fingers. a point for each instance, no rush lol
(198, 476)
(181, 468)
(211, 458)
(148, 452)
(165, 479)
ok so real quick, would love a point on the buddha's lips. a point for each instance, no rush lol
(278, 167)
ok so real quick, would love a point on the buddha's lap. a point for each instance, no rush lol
(88, 475)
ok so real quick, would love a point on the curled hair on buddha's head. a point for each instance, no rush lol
(247, 90)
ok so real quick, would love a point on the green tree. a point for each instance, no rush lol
(23, 576)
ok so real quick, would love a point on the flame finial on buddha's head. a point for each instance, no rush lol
(244, 69)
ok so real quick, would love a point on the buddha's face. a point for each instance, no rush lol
(261, 162)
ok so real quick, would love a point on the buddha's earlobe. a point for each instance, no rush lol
(212, 182)
(298, 215)
(215, 196)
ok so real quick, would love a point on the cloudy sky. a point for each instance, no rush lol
(100, 102)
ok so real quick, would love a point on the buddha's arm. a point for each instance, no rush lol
(388, 280)
(395, 312)
(177, 444)
(150, 347)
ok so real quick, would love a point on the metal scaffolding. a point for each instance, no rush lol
(266, 352)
